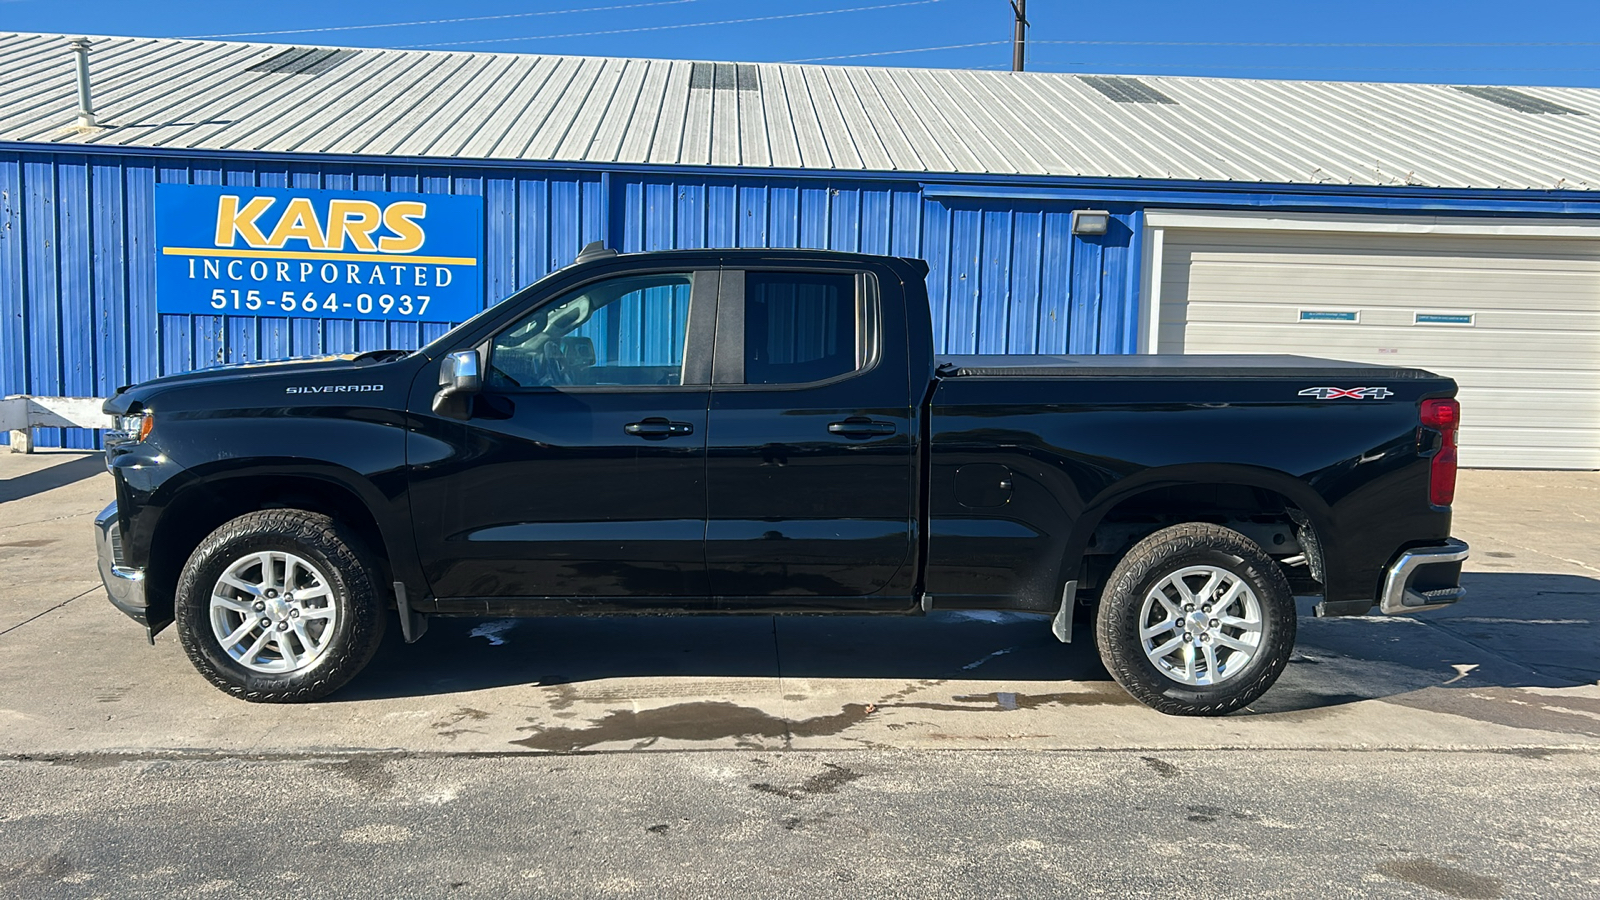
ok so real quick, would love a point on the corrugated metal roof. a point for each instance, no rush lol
(209, 95)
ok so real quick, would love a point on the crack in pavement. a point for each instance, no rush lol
(52, 609)
(113, 757)
(15, 525)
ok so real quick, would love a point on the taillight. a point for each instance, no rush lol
(1443, 416)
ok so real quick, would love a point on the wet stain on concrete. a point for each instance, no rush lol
(1444, 879)
(561, 696)
(450, 727)
(914, 687)
(706, 720)
(828, 781)
(1161, 767)
(370, 772)
(1510, 707)
(1006, 701)
(35, 542)
(49, 867)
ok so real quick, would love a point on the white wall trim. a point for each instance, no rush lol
(1150, 288)
(1365, 222)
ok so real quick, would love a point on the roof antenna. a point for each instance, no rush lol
(594, 250)
(80, 47)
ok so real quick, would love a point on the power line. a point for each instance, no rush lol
(1145, 65)
(1198, 44)
(548, 12)
(897, 52)
(578, 34)
(1285, 44)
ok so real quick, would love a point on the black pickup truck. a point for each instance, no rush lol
(770, 431)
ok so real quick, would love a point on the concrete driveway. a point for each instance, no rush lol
(1452, 753)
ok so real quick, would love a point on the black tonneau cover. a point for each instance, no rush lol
(1167, 366)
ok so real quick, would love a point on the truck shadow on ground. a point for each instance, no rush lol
(1514, 630)
(73, 469)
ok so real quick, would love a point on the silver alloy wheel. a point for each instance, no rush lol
(1201, 625)
(273, 612)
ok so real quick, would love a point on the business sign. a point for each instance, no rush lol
(318, 254)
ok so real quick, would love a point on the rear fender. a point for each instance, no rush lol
(1296, 491)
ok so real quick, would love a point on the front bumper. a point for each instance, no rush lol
(1424, 578)
(124, 584)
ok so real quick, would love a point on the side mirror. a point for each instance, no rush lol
(459, 379)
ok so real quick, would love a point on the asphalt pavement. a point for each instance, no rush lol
(1451, 753)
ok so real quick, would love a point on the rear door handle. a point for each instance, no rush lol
(656, 427)
(860, 426)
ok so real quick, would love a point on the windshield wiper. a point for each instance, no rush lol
(380, 356)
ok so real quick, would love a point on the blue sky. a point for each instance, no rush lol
(1554, 42)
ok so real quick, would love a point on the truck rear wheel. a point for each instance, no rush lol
(279, 606)
(1196, 620)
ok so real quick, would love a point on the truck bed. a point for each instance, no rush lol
(1167, 366)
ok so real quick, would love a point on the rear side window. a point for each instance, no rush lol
(801, 327)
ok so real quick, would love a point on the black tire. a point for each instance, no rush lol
(1118, 620)
(352, 582)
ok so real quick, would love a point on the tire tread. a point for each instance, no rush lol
(1116, 624)
(354, 568)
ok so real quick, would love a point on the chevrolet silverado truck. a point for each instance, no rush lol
(764, 432)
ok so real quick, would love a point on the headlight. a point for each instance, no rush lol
(137, 426)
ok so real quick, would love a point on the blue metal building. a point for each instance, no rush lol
(977, 173)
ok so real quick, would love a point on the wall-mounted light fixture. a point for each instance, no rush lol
(1090, 221)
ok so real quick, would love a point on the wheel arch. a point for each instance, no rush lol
(1238, 489)
(204, 502)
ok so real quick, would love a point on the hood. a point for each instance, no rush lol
(247, 372)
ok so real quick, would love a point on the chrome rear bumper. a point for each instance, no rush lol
(1401, 593)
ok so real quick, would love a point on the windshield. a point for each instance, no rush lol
(437, 345)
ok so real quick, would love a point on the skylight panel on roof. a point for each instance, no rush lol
(1122, 89)
(704, 76)
(1517, 100)
(302, 61)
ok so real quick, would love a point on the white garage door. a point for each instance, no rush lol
(1515, 320)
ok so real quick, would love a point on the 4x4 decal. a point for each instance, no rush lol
(1360, 393)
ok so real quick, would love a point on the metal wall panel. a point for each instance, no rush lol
(77, 265)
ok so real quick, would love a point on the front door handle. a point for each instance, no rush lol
(656, 427)
(860, 427)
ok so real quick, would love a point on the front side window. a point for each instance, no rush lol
(626, 331)
(801, 327)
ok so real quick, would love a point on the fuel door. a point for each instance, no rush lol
(980, 485)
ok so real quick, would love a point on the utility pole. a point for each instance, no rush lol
(1019, 37)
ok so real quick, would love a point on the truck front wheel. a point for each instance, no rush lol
(279, 606)
(1197, 620)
